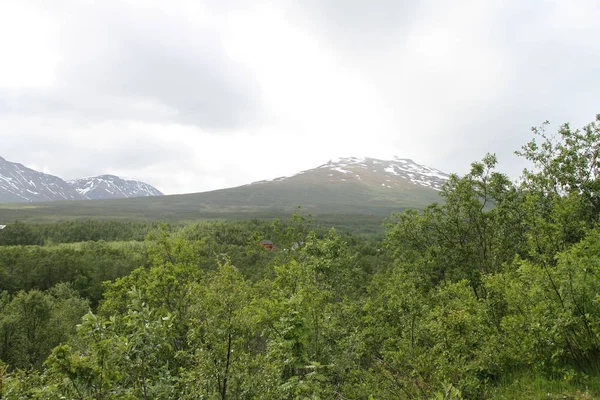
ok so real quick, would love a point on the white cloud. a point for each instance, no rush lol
(200, 95)
(29, 47)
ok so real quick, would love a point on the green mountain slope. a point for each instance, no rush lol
(339, 189)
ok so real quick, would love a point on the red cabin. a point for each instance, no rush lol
(267, 244)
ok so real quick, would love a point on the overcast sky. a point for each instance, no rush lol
(199, 95)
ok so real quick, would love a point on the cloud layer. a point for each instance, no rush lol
(193, 96)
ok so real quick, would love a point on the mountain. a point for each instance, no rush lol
(392, 174)
(346, 191)
(112, 187)
(21, 184)
(365, 185)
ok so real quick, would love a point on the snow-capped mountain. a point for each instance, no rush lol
(396, 173)
(21, 184)
(112, 187)
(345, 189)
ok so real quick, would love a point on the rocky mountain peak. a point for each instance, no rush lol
(21, 184)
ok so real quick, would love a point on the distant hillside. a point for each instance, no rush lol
(347, 190)
(21, 184)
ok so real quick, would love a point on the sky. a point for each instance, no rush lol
(196, 95)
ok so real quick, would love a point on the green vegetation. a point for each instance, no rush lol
(491, 293)
(19, 233)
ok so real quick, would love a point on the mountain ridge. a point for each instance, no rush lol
(398, 172)
(20, 184)
(349, 191)
(109, 186)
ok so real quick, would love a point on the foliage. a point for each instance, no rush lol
(125, 356)
(32, 323)
(491, 293)
(19, 233)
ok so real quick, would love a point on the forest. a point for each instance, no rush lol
(491, 293)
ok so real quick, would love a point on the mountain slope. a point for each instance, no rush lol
(112, 187)
(21, 184)
(367, 185)
(342, 190)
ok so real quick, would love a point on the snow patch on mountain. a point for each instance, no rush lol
(385, 173)
(21, 184)
(112, 187)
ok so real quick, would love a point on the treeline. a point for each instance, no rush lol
(39, 234)
(497, 283)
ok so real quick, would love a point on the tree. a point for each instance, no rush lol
(473, 232)
(33, 322)
(221, 336)
(166, 286)
(124, 356)
(562, 191)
